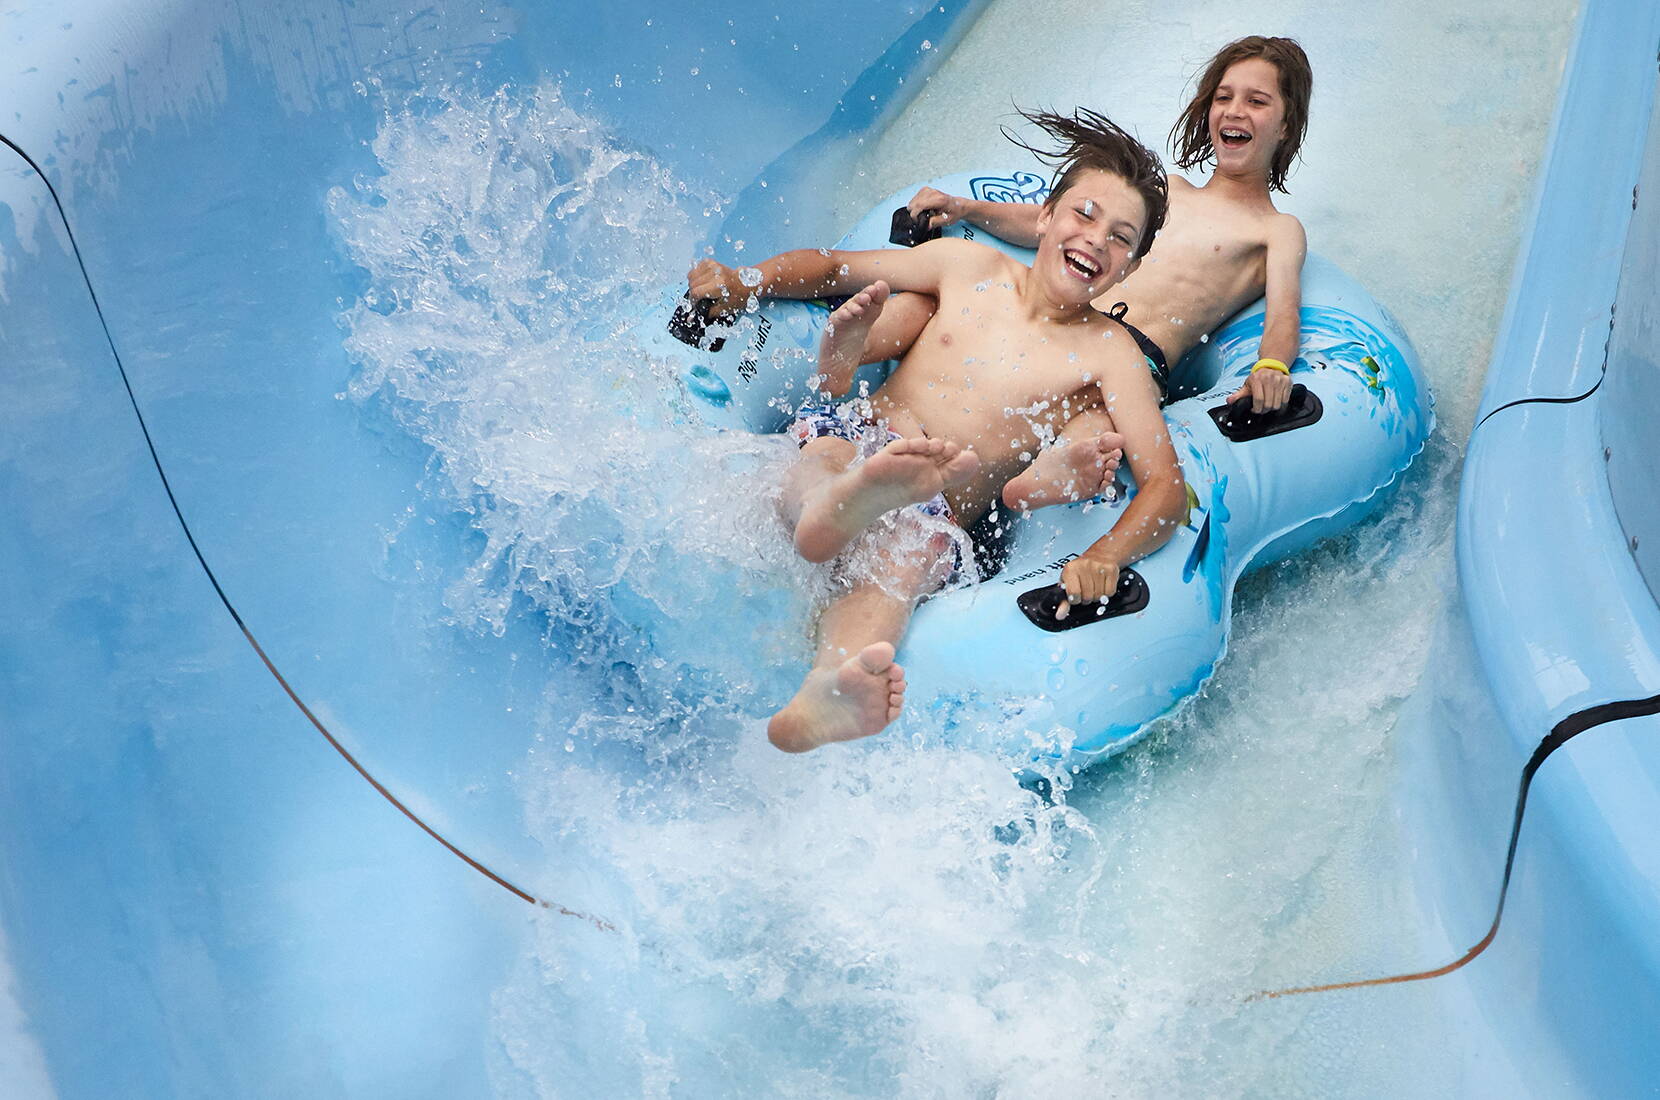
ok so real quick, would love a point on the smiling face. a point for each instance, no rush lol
(1247, 117)
(1090, 236)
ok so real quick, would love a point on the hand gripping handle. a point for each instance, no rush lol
(1039, 604)
(909, 231)
(691, 321)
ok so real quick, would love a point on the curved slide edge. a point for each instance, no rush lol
(1567, 270)
(1556, 632)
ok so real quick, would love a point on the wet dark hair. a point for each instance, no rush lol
(1090, 140)
(1190, 137)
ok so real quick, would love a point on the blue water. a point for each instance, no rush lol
(592, 609)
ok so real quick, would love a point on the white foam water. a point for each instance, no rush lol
(888, 918)
(507, 242)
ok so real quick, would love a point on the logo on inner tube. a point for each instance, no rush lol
(1036, 573)
(1028, 187)
(752, 354)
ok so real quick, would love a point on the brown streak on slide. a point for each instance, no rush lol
(602, 925)
(1563, 732)
(178, 512)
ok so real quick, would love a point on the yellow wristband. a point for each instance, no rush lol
(1271, 364)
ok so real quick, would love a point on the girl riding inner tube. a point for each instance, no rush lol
(1259, 487)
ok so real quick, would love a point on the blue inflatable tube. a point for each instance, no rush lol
(1258, 488)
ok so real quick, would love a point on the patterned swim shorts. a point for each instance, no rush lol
(816, 420)
(855, 424)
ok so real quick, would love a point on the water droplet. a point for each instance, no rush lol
(1055, 680)
(750, 276)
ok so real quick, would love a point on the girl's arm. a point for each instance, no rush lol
(1268, 387)
(1015, 222)
(817, 272)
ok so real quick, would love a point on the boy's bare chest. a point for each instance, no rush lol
(976, 386)
(979, 365)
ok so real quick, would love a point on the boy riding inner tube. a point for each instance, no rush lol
(1259, 487)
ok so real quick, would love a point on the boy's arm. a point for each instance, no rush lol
(1268, 387)
(1152, 515)
(816, 272)
(1015, 222)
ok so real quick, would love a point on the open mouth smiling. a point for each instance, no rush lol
(1233, 137)
(1081, 265)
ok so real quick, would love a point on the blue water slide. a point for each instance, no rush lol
(1550, 665)
(201, 894)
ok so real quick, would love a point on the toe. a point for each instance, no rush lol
(876, 657)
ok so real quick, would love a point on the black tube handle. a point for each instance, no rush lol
(1235, 419)
(1039, 605)
(690, 324)
(910, 232)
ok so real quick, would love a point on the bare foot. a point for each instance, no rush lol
(906, 471)
(1079, 470)
(854, 699)
(842, 347)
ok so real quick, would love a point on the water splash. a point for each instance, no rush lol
(881, 919)
(507, 244)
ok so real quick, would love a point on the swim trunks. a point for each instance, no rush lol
(1150, 351)
(815, 420)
